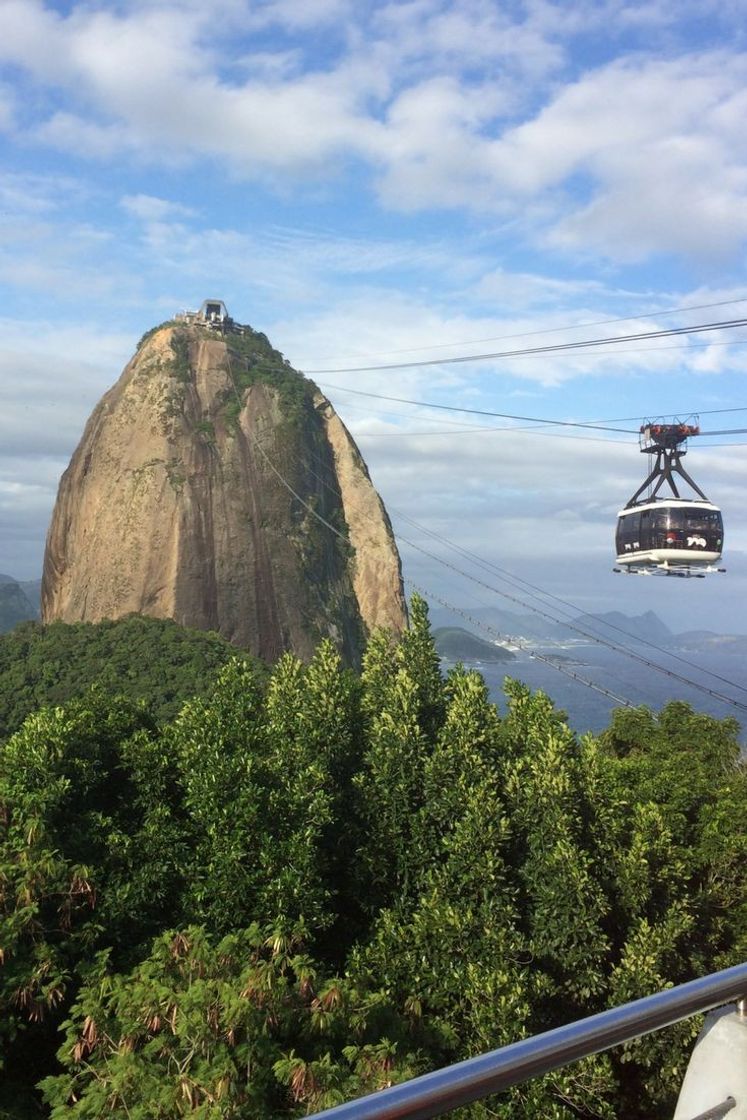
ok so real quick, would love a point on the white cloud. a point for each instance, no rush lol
(429, 34)
(299, 14)
(73, 133)
(618, 109)
(431, 150)
(638, 156)
(148, 208)
(51, 376)
(522, 290)
(147, 84)
(28, 193)
(50, 254)
(657, 143)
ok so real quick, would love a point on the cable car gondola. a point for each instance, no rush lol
(672, 536)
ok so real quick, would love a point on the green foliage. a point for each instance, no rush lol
(206, 429)
(89, 857)
(255, 361)
(266, 779)
(147, 659)
(307, 886)
(688, 771)
(153, 330)
(181, 366)
(403, 705)
(257, 799)
(245, 1027)
(564, 905)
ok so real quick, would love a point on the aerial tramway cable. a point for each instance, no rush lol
(572, 326)
(333, 529)
(492, 632)
(428, 595)
(600, 426)
(554, 348)
(485, 412)
(615, 647)
(715, 694)
(514, 580)
(596, 639)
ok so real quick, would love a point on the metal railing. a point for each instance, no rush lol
(445, 1089)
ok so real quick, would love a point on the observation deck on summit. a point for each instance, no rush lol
(214, 311)
(213, 314)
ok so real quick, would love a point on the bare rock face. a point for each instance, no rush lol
(216, 486)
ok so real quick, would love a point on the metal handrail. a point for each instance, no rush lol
(444, 1089)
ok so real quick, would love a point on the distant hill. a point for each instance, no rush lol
(32, 590)
(504, 623)
(646, 627)
(457, 644)
(15, 605)
(153, 660)
(707, 640)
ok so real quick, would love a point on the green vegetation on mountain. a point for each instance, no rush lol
(306, 887)
(254, 361)
(180, 350)
(154, 330)
(458, 644)
(150, 660)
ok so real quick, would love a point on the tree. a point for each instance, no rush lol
(258, 774)
(563, 904)
(385, 875)
(390, 790)
(86, 856)
(151, 660)
(245, 1027)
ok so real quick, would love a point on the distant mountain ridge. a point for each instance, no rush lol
(19, 602)
(609, 625)
(647, 626)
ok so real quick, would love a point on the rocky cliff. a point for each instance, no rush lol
(216, 486)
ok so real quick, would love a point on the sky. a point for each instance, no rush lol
(381, 183)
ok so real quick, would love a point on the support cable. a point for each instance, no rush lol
(714, 693)
(486, 412)
(574, 326)
(555, 348)
(703, 688)
(599, 427)
(514, 580)
(342, 536)
(525, 646)
(596, 639)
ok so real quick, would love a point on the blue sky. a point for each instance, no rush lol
(368, 183)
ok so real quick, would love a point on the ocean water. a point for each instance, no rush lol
(588, 710)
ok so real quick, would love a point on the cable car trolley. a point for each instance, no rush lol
(670, 534)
